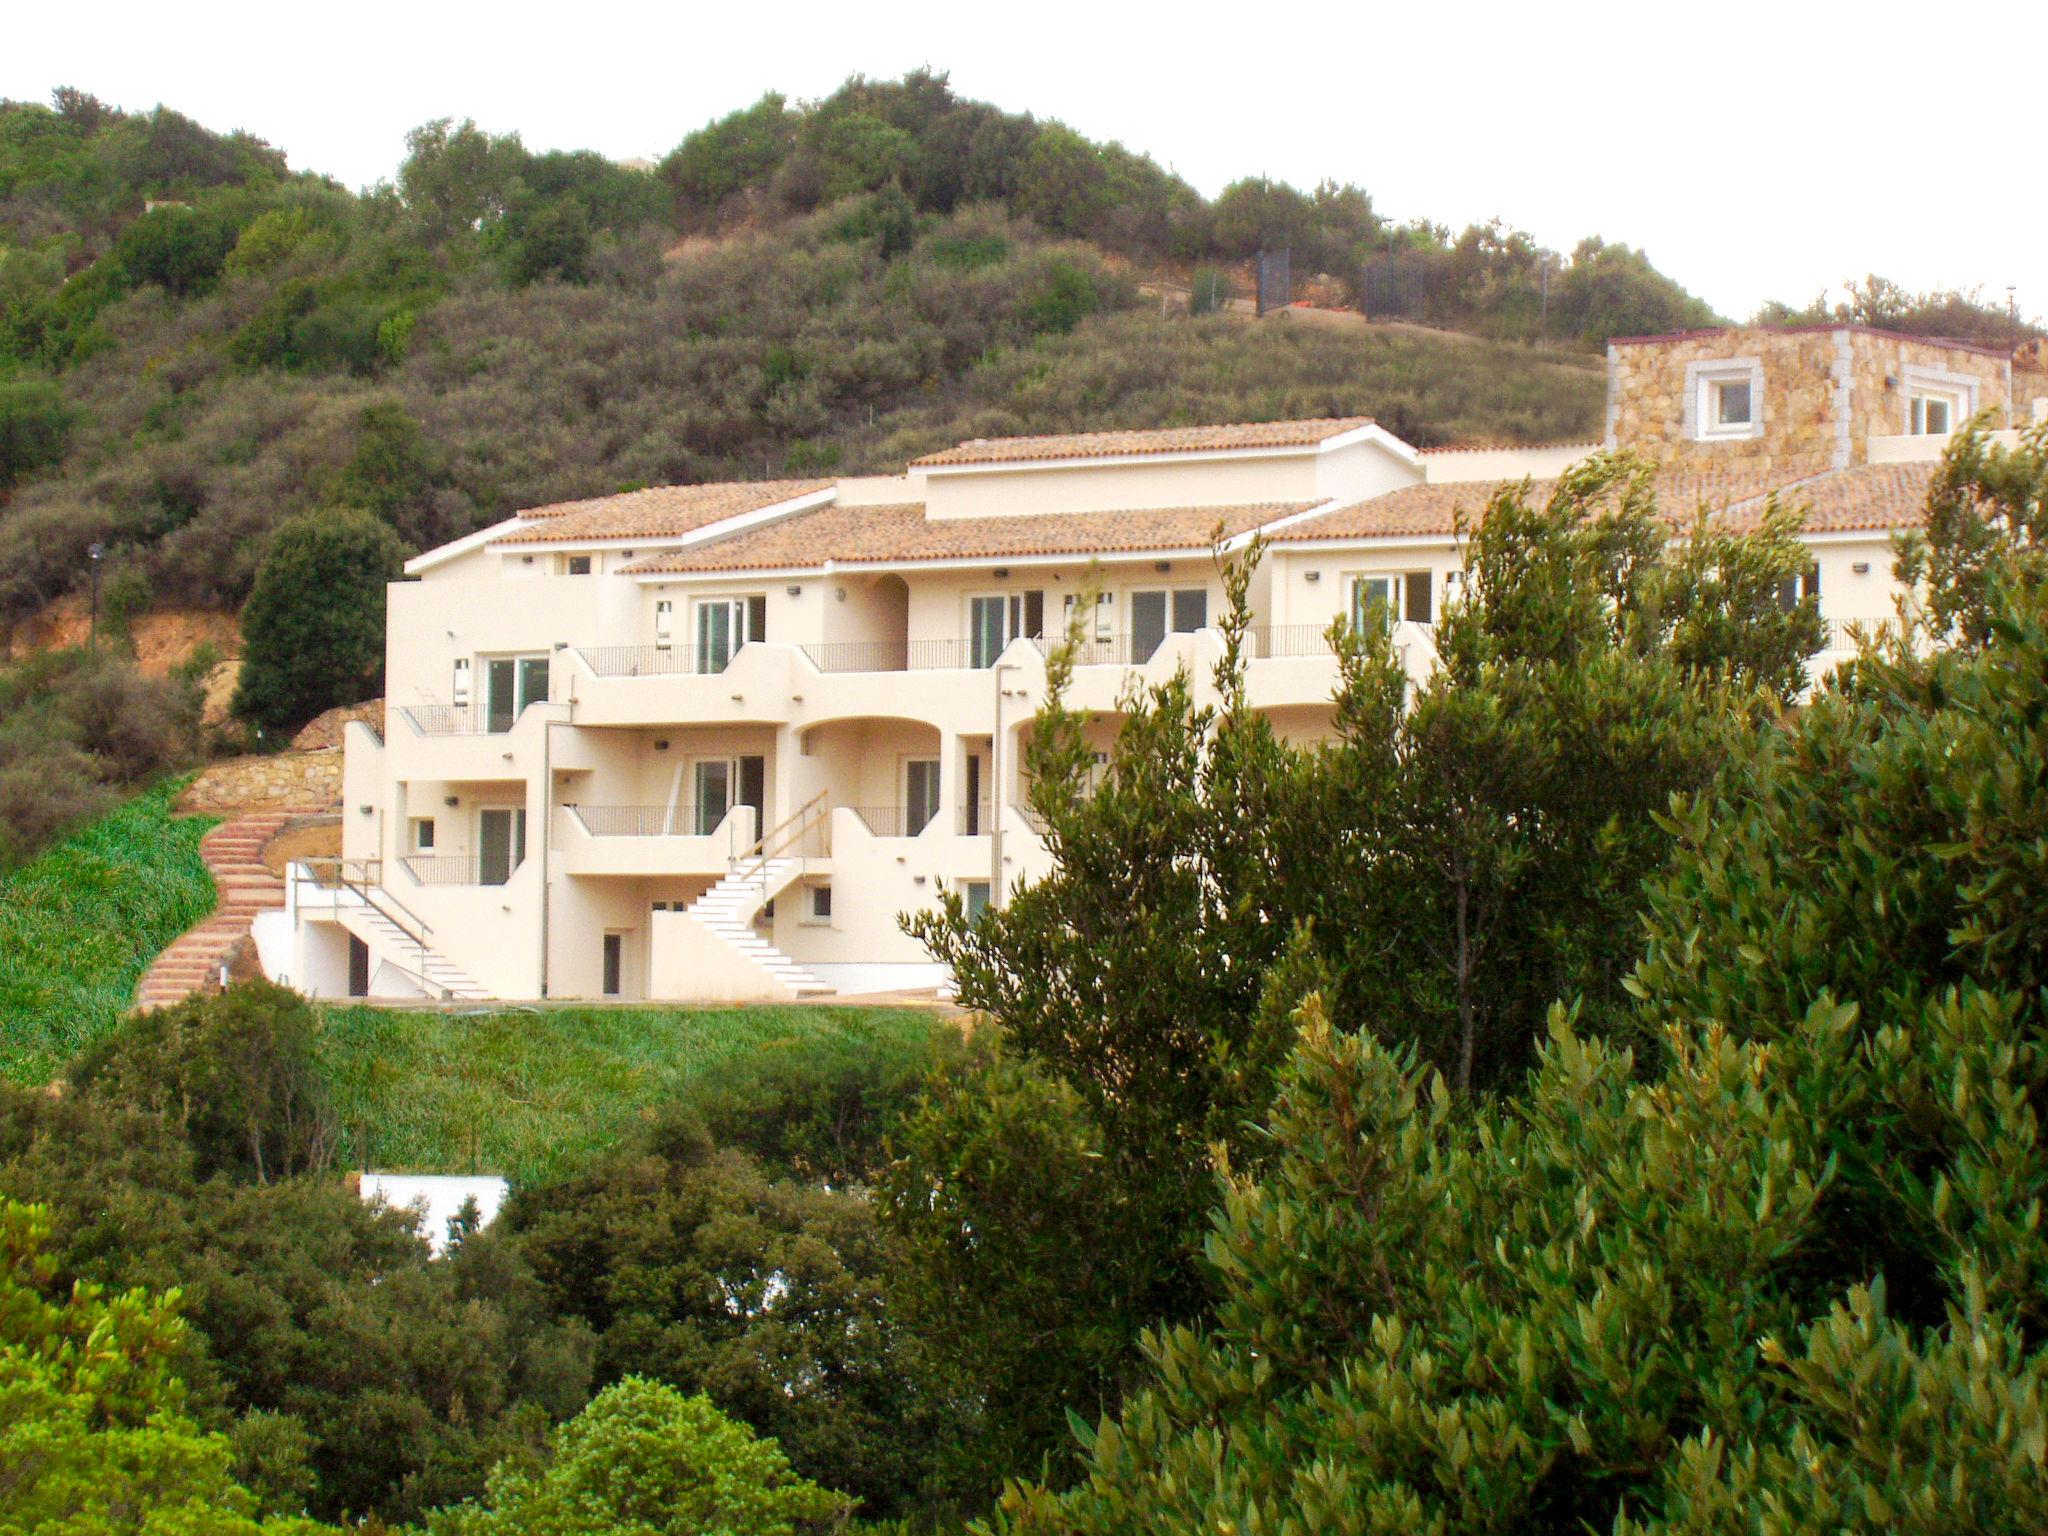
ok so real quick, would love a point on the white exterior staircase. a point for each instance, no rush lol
(390, 942)
(727, 910)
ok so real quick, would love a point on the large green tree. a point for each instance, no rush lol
(313, 629)
(1460, 852)
(1771, 1262)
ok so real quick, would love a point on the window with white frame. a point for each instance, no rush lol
(1937, 402)
(1724, 398)
(1931, 413)
(1391, 597)
(423, 834)
(460, 696)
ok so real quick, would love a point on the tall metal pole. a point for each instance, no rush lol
(93, 552)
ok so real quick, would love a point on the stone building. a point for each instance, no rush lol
(1799, 400)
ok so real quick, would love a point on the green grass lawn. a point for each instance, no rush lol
(80, 923)
(532, 1094)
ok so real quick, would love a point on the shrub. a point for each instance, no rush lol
(644, 1458)
(1063, 295)
(1210, 292)
(35, 425)
(235, 1074)
(183, 249)
(693, 1268)
(313, 629)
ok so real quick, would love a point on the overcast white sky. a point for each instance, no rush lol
(1756, 150)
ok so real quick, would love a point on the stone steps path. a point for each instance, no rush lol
(233, 853)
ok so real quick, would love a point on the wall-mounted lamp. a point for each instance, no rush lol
(794, 591)
(561, 645)
(1002, 573)
(1311, 575)
(453, 800)
(526, 559)
(365, 810)
(451, 634)
(661, 745)
(917, 879)
(1861, 567)
(508, 757)
(739, 698)
(1162, 565)
(840, 593)
(796, 698)
(1891, 381)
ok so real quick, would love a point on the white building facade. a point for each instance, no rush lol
(707, 743)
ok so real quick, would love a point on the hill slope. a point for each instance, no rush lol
(196, 342)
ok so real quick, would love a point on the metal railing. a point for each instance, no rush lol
(638, 820)
(1265, 642)
(454, 720)
(974, 820)
(364, 879)
(654, 660)
(1843, 634)
(453, 869)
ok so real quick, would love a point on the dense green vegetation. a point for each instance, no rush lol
(80, 923)
(1740, 1234)
(1754, 1247)
(538, 1093)
(1461, 855)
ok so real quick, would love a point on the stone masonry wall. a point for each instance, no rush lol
(1647, 404)
(1878, 410)
(1824, 394)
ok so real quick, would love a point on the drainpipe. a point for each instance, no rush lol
(995, 792)
(547, 820)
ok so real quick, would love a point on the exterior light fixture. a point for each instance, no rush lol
(1861, 567)
(840, 593)
(453, 800)
(794, 591)
(366, 810)
(1162, 565)
(1002, 573)
(1311, 575)
(661, 745)
(739, 698)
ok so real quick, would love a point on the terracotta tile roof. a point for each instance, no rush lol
(661, 511)
(903, 533)
(1100, 445)
(1863, 498)
(1870, 496)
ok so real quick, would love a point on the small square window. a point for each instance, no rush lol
(1731, 403)
(579, 565)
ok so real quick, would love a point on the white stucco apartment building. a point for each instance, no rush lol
(708, 742)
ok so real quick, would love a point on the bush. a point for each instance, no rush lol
(35, 425)
(1210, 293)
(234, 1074)
(644, 1458)
(313, 629)
(693, 1268)
(183, 249)
(1063, 295)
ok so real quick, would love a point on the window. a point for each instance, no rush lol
(1731, 403)
(1794, 589)
(1156, 614)
(1932, 415)
(423, 834)
(977, 898)
(821, 903)
(579, 565)
(501, 844)
(724, 782)
(920, 794)
(1389, 597)
(725, 624)
(511, 683)
(1724, 398)
(460, 693)
(614, 963)
(664, 623)
(997, 618)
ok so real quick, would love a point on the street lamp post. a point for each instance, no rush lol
(995, 791)
(93, 552)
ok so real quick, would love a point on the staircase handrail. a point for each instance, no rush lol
(785, 832)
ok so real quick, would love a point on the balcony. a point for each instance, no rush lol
(651, 840)
(458, 869)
